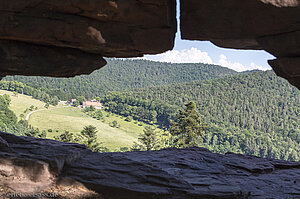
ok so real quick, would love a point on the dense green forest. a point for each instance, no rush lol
(254, 112)
(121, 75)
(21, 88)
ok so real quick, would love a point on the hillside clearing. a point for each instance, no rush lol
(19, 103)
(74, 120)
(65, 118)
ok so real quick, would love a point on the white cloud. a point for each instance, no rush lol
(223, 61)
(192, 55)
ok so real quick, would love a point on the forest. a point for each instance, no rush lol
(254, 112)
(19, 87)
(122, 75)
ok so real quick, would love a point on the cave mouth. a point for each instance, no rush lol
(55, 57)
(60, 39)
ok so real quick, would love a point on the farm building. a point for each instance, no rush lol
(94, 103)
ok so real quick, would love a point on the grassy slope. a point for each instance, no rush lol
(72, 119)
(20, 102)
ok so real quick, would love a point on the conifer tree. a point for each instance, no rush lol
(89, 136)
(188, 129)
(149, 138)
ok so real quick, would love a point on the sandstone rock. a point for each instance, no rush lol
(250, 24)
(19, 58)
(67, 38)
(170, 173)
(288, 68)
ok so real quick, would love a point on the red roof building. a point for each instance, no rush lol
(94, 103)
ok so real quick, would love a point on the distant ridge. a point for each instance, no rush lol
(120, 75)
(250, 71)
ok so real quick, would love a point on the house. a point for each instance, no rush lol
(94, 103)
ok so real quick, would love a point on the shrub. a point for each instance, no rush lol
(128, 119)
(114, 124)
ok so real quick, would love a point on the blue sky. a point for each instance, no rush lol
(206, 52)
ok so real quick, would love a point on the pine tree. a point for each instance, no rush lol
(149, 138)
(89, 136)
(188, 129)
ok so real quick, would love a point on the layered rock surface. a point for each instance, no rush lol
(32, 165)
(271, 25)
(67, 38)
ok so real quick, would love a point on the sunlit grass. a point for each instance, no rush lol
(74, 120)
(20, 102)
(65, 118)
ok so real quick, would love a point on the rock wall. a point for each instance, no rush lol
(70, 37)
(32, 165)
(271, 25)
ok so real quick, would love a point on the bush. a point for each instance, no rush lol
(49, 130)
(114, 124)
(31, 108)
(128, 119)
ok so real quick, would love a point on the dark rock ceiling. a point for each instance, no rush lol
(70, 37)
(271, 25)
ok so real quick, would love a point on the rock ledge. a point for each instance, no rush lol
(34, 165)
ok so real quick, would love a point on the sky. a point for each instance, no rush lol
(186, 51)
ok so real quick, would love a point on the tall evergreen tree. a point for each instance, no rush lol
(149, 138)
(89, 135)
(188, 129)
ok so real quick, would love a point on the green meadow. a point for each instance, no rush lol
(19, 103)
(66, 118)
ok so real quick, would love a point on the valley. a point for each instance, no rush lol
(253, 112)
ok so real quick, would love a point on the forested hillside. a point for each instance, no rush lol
(36, 93)
(255, 113)
(121, 75)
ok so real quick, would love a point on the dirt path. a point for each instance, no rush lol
(44, 109)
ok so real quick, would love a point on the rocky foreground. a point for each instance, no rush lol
(43, 168)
